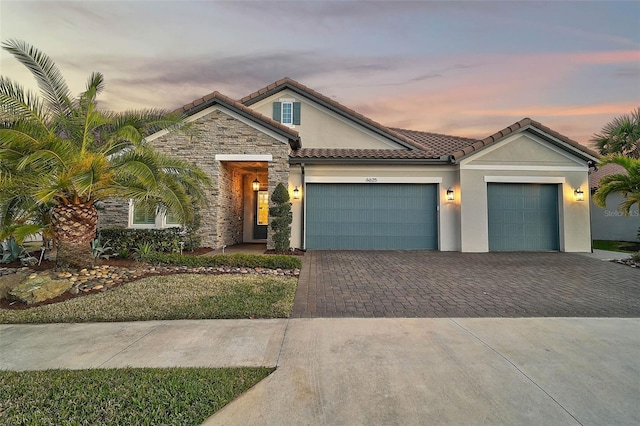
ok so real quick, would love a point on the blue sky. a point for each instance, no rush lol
(463, 68)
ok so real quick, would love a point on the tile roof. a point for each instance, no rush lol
(435, 143)
(336, 106)
(606, 170)
(367, 154)
(218, 98)
(514, 128)
(420, 145)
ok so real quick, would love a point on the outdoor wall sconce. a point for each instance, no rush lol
(296, 193)
(450, 193)
(578, 194)
(256, 183)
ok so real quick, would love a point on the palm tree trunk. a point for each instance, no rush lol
(74, 227)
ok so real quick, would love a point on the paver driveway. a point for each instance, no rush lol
(439, 284)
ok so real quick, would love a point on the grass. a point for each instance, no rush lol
(612, 245)
(146, 396)
(184, 296)
(276, 261)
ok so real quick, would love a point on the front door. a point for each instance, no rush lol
(261, 220)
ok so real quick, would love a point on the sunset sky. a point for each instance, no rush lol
(461, 68)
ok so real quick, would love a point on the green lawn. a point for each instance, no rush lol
(147, 396)
(613, 245)
(184, 296)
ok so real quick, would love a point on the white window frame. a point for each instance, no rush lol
(160, 221)
(282, 104)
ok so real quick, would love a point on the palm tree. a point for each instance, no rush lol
(626, 184)
(63, 152)
(621, 136)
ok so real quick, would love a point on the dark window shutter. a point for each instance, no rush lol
(277, 106)
(296, 113)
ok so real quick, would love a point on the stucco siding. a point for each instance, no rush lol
(523, 149)
(610, 224)
(321, 128)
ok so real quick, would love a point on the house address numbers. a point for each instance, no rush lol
(371, 180)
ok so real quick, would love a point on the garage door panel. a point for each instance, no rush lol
(371, 216)
(523, 217)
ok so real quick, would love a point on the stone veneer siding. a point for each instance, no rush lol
(219, 133)
(113, 214)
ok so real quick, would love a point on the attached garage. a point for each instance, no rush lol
(523, 217)
(353, 216)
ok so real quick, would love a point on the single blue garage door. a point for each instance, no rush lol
(523, 217)
(346, 216)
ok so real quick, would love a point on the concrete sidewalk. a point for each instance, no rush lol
(185, 343)
(606, 255)
(408, 371)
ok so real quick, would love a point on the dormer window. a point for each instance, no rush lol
(287, 112)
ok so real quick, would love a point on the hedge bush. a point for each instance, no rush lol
(164, 240)
(229, 260)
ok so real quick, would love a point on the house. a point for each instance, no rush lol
(610, 223)
(356, 184)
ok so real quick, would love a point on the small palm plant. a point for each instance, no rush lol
(627, 184)
(63, 152)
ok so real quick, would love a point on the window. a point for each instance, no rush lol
(263, 208)
(171, 219)
(144, 216)
(287, 113)
(151, 217)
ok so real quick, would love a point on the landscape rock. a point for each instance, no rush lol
(39, 289)
(8, 282)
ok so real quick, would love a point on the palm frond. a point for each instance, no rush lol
(16, 103)
(50, 80)
(627, 184)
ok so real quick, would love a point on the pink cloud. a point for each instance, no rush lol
(617, 57)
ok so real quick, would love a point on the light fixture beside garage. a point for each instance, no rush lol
(296, 193)
(450, 194)
(578, 194)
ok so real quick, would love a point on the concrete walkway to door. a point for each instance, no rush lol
(452, 284)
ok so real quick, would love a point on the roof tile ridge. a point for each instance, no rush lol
(434, 133)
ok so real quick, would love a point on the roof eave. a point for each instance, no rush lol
(375, 161)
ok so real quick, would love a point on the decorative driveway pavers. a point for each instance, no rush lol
(451, 284)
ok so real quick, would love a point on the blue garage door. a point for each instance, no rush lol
(523, 217)
(346, 216)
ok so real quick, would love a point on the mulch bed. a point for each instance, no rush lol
(295, 252)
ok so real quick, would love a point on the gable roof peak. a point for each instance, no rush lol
(218, 98)
(327, 102)
(548, 133)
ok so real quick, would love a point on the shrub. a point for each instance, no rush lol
(229, 260)
(281, 218)
(123, 239)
